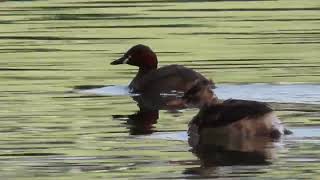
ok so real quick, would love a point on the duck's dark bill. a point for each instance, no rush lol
(119, 61)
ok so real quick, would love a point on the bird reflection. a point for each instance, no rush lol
(214, 150)
(142, 122)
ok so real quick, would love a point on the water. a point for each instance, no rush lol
(290, 93)
(260, 50)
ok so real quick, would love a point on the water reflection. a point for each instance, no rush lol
(142, 121)
(214, 151)
(224, 151)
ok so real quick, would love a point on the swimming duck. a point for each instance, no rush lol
(151, 79)
(233, 117)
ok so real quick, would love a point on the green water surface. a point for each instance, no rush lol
(47, 47)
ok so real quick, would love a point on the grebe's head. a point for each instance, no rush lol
(201, 93)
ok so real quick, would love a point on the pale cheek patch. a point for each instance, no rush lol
(126, 60)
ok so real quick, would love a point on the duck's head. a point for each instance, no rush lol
(201, 93)
(139, 55)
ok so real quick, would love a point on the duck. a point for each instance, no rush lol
(232, 118)
(151, 79)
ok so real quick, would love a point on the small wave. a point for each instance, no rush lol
(312, 134)
(279, 93)
(106, 91)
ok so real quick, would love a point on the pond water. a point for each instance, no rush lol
(292, 93)
(266, 50)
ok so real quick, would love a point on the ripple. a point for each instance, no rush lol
(291, 93)
(298, 133)
(106, 90)
(278, 93)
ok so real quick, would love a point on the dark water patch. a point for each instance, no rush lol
(248, 33)
(23, 32)
(295, 75)
(80, 97)
(54, 8)
(86, 87)
(275, 37)
(12, 50)
(160, 1)
(285, 20)
(303, 30)
(248, 63)
(69, 38)
(244, 59)
(297, 42)
(41, 142)
(85, 17)
(37, 77)
(301, 114)
(6, 22)
(240, 9)
(135, 26)
(262, 67)
(33, 69)
(94, 15)
(31, 154)
(175, 17)
(63, 167)
(34, 43)
(22, 148)
(57, 15)
(296, 107)
(11, 129)
(57, 128)
(46, 64)
(20, 0)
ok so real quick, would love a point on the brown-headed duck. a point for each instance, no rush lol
(151, 79)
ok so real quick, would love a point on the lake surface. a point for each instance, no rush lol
(266, 50)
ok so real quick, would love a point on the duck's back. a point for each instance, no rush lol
(167, 79)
